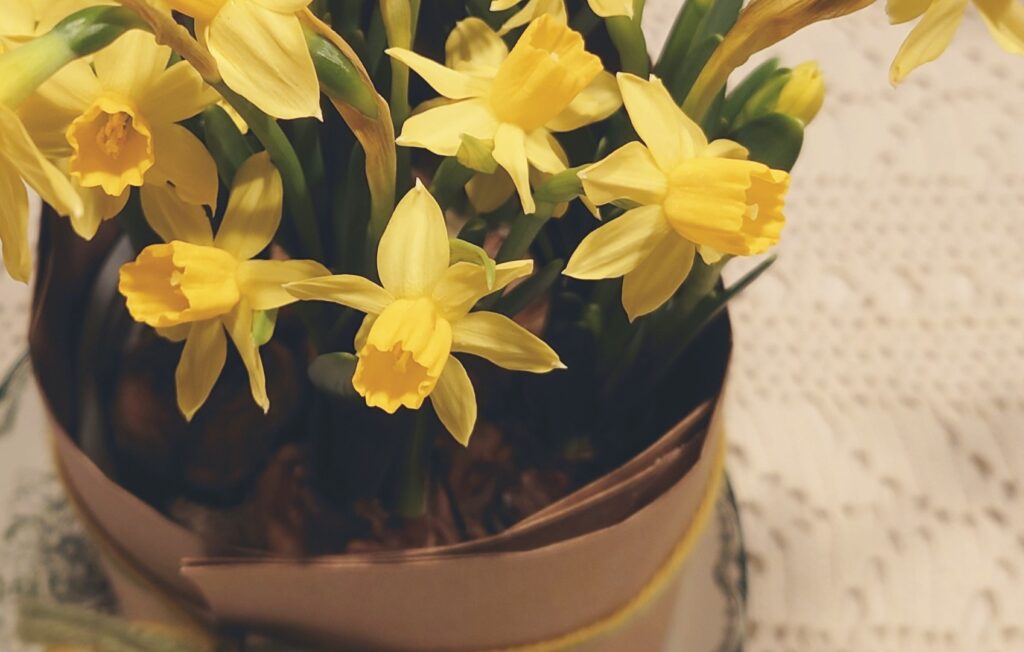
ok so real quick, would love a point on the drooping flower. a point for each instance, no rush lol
(420, 316)
(804, 94)
(200, 285)
(939, 22)
(115, 121)
(261, 52)
(691, 195)
(536, 8)
(548, 83)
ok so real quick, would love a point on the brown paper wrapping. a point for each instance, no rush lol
(567, 567)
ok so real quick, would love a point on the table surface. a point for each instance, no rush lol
(877, 390)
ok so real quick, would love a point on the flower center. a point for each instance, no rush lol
(404, 355)
(543, 74)
(112, 147)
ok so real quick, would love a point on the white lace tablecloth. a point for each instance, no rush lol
(877, 393)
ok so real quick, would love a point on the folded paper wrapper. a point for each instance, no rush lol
(564, 568)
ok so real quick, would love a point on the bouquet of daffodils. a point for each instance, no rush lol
(456, 216)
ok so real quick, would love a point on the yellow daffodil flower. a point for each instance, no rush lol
(548, 83)
(537, 8)
(115, 123)
(260, 51)
(21, 160)
(804, 94)
(422, 315)
(692, 195)
(21, 20)
(939, 22)
(201, 285)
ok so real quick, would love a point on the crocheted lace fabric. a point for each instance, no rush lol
(877, 391)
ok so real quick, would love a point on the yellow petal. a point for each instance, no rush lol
(723, 148)
(284, 6)
(440, 128)
(804, 94)
(454, 401)
(131, 64)
(414, 250)
(201, 362)
(510, 153)
(900, 11)
(450, 83)
(929, 38)
(19, 150)
(544, 152)
(1005, 20)
(489, 192)
(174, 219)
(47, 113)
(263, 56)
(239, 325)
(669, 133)
(346, 289)
(608, 8)
(657, 278)
(629, 172)
(465, 283)
(262, 281)
(181, 159)
(177, 94)
(596, 102)
(474, 47)
(616, 248)
(14, 223)
(99, 207)
(500, 340)
(254, 208)
(532, 10)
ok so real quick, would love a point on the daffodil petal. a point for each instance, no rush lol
(900, 11)
(929, 38)
(181, 159)
(173, 218)
(668, 132)
(239, 325)
(262, 282)
(202, 361)
(262, 55)
(533, 9)
(452, 84)
(254, 208)
(21, 152)
(14, 223)
(595, 103)
(440, 128)
(500, 340)
(723, 148)
(130, 64)
(609, 8)
(99, 207)
(657, 277)
(1005, 20)
(616, 248)
(474, 47)
(47, 113)
(177, 94)
(465, 283)
(284, 6)
(510, 153)
(502, 5)
(454, 400)
(489, 192)
(629, 172)
(345, 289)
(544, 152)
(414, 250)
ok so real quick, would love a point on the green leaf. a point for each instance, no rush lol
(775, 140)
(529, 290)
(562, 187)
(737, 99)
(477, 154)
(226, 143)
(331, 373)
(763, 101)
(682, 78)
(463, 251)
(263, 324)
(339, 77)
(681, 37)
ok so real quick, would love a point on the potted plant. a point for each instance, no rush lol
(389, 326)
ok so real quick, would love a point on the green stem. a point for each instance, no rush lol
(524, 231)
(629, 40)
(226, 143)
(449, 180)
(412, 496)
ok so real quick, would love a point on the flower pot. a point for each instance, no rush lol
(594, 571)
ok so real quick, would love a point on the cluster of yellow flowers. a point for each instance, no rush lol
(83, 126)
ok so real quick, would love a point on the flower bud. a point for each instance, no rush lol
(803, 94)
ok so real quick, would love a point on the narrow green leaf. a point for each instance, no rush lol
(332, 373)
(530, 290)
(746, 88)
(775, 140)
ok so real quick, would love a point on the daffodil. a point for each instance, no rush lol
(115, 122)
(420, 315)
(21, 161)
(536, 8)
(804, 94)
(261, 51)
(547, 83)
(939, 22)
(198, 285)
(21, 20)
(688, 194)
